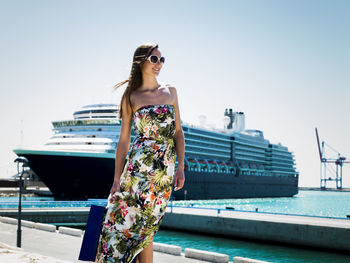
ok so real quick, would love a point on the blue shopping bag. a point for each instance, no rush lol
(92, 233)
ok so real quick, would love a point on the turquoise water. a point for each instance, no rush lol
(249, 249)
(312, 203)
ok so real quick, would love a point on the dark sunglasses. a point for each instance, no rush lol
(154, 59)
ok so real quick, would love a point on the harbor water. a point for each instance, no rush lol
(311, 203)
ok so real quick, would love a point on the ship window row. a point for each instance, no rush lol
(251, 157)
(212, 141)
(248, 153)
(273, 160)
(204, 132)
(81, 143)
(287, 154)
(251, 149)
(279, 150)
(213, 170)
(233, 170)
(95, 111)
(250, 144)
(282, 167)
(251, 140)
(90, 128)
(275, 147)
(243, 159)
(290, 170)
(196, 154)
(206, 144)
(207, 137)
(274, 167)
(286, 159)
(82, 140)
(280, 156)
(82, 130)
(239, 149)
(207, 149)
(282, 173)
(83, 122)
(58, 136)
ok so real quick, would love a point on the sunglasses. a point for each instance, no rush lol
(154, 59)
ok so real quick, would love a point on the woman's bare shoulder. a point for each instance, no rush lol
(172, 89)
(173, 92)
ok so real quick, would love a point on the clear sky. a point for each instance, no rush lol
(285, 64)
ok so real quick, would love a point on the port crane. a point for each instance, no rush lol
(338, 161)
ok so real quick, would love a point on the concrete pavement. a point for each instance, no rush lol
(56, 247)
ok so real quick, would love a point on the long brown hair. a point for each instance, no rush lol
(135, 79)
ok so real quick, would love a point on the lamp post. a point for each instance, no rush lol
(24, 163)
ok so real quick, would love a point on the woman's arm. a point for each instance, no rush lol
(123, 145)
(179, 144)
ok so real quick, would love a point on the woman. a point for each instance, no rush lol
(142, 189)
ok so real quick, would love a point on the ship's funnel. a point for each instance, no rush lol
(239, 124)
(226, 120)
(231, 115)
(234, 121)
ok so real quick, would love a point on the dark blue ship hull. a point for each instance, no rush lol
(209, 185)
(73, 176)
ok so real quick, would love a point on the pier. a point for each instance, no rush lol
(306, 231)
(344, 189)
(293, 230)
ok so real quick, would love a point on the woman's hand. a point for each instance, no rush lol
(115, 186)
(179, 179)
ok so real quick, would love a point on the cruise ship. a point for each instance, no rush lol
(77, 162)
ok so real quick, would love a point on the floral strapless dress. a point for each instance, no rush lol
(135, 212)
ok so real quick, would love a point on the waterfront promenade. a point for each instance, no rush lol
(304, 231)
(52, 246)
(330, 234)
(49, 247)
